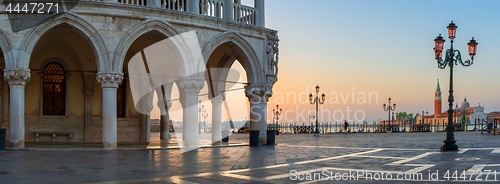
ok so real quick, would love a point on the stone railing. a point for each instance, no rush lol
(179, 5)
(245, 14)
(212, 8)
(136, 2)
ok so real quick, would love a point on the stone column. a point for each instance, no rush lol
(194, 6)
(191, 88)
(17, 79)
(148, 122)
(216, 118)
(149, 108)
(261, 15)
(164, 120)
(5, 107)
(258, 95)
(109, 83)
(228, 9)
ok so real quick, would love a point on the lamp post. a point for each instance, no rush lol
(393, 117)
(277, 113)
(200, 110)
(452, 57)
(389, 108)
(205, 116)
(422, 119)
(310, 119)
(246, 124)
(317, 101)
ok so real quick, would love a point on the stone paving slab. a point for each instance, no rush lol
(395, 153)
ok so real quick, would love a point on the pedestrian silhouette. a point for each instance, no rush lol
(345, 126)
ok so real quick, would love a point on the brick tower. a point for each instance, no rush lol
(437, 100)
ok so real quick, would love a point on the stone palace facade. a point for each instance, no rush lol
(65, 74)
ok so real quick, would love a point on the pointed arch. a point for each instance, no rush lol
(79, 25)
(134, 33)
(6, 46)
(246, 56)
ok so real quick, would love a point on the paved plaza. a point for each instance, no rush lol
(362, 158)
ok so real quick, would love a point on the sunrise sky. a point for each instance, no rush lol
(382, 47)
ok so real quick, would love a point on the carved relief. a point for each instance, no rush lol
(17, 76)
(272, 51)
(271, 79)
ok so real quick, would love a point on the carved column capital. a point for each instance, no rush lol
(218, 99)
(109, 80)
(164, 104)
(258, 93)
(168, 105)
(150, 108)
(191, 85)
(17, 76)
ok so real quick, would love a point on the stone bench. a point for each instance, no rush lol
(37, 134)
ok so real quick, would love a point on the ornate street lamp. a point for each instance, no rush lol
(389, 108)
(317, 101)
(276, 113)
(452, 57)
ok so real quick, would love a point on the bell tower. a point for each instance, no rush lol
(437, 100)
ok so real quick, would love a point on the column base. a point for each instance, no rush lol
(217, 143)
(109, 145)
(19, 144)
(262, 140)
(165, 137)
(191, 144)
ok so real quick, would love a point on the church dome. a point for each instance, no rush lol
(465, 104)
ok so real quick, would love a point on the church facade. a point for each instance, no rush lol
(66, 79)
(472, 115)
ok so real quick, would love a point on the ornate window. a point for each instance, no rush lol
(120, 99)
(54, 91)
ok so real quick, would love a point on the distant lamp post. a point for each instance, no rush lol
(276, 113)
(494, 126)
(205, 116)
(422, 121)
(246, 123)
(452, 57)
(200, 111)
(393, 118)
(317, 101)
(310, 119)
(389, 108)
